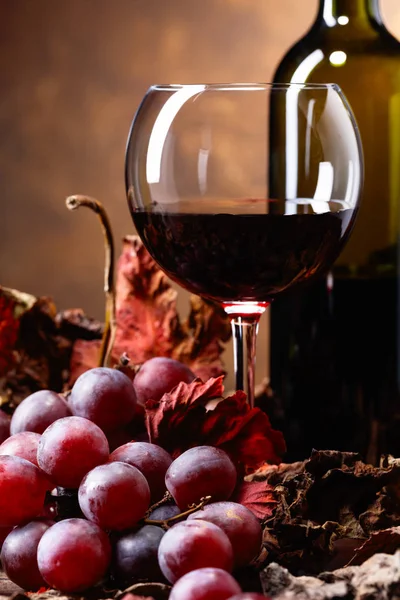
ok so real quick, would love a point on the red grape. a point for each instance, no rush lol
(192, 545)
(249, 596)
(4, 531)
(240, 525)
(22, 491)
(70, 448)
(115, 496)
(24, 444)
(4, 426)
(105, 396)
(205, 584)
(19, 554)
(198, 472)
(158, 376)
(135, 556)
(152, 460)
(74, 555)
(38, 411)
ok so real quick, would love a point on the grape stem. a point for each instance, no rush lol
(166, 498)
(124, 360)
(165, 523)
(107, 342)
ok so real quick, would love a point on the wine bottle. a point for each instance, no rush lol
(335, 345)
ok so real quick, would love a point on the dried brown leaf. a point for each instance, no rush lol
(387, 541)
(330, 497)
(174, 412)
(180, 420)
(257, 496)
(277, 473)
(33, 353)
(383, 513)
(206, 330)
(148, 323)
(147, 319)
(13, 305)
(84, 356)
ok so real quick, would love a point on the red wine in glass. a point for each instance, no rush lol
(231, 258)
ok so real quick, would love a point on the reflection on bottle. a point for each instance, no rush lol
(337, 58)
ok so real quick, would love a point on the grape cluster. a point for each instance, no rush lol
(127, 529)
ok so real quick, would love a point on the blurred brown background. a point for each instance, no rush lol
(72, 74)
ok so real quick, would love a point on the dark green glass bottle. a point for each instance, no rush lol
(335, 346)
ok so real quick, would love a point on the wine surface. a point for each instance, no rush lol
(243, 257)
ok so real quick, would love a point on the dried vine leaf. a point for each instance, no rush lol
(73, 324)
(168, 414)
(13, 305)
(243, 432)
(386, 541)
(383, 513)
(206, 330)
(33, 354)
(84, 356)
(181, 420)
(259, 497)
(36, 344)
(147, 318)
(281, 472)
(331, 497)
(148, 323)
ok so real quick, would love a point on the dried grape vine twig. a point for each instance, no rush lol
(72, 203)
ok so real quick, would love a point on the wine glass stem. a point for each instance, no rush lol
(244, 332)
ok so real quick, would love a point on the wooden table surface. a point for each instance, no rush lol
(7, 588)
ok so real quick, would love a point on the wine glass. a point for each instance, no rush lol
(242, 191)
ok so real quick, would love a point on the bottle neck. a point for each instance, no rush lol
(346, 12)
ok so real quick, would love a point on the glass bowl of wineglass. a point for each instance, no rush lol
(240, 192)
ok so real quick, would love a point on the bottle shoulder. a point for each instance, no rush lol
(312, 55)
(376, 41)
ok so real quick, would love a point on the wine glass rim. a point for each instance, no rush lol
(256, 86)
